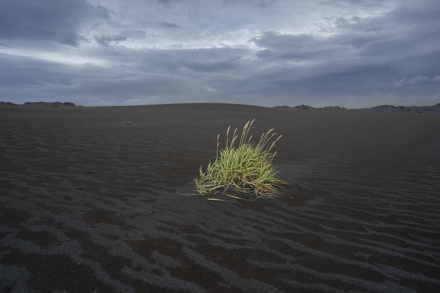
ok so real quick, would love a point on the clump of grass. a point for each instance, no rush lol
(247, 168)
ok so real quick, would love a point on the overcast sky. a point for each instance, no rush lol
(352, 53)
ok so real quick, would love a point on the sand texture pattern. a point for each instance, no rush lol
(91, 201)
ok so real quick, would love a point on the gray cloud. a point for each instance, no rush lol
(210, 67)
(152, 85)
(166, 24)
(167, 2)
(105, 52)
(300, 47)
(20, 72)
(106, 40)
(46, 20)
(259, 3)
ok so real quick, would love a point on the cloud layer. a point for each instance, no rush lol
(264, 52)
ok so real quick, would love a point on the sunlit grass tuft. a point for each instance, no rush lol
(247, 168)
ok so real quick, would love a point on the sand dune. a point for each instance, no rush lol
(91, 199)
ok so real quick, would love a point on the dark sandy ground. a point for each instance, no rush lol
(90, 201)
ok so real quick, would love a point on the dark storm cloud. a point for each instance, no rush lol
(106, 40)
(168, 1)
(165, 24)
(349, 53)
(188, 61)
(361, 3)
(138, 89)
(211, 67)
(46, 20)
(364, 56)
(24, 72)
(138, 85)
(260, 3)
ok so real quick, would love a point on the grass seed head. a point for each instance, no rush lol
(245, 168)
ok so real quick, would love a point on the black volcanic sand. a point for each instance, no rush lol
(91, 201)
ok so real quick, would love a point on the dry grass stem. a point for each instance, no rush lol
(247, 168)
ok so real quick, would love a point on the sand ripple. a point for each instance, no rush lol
(93, 203)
